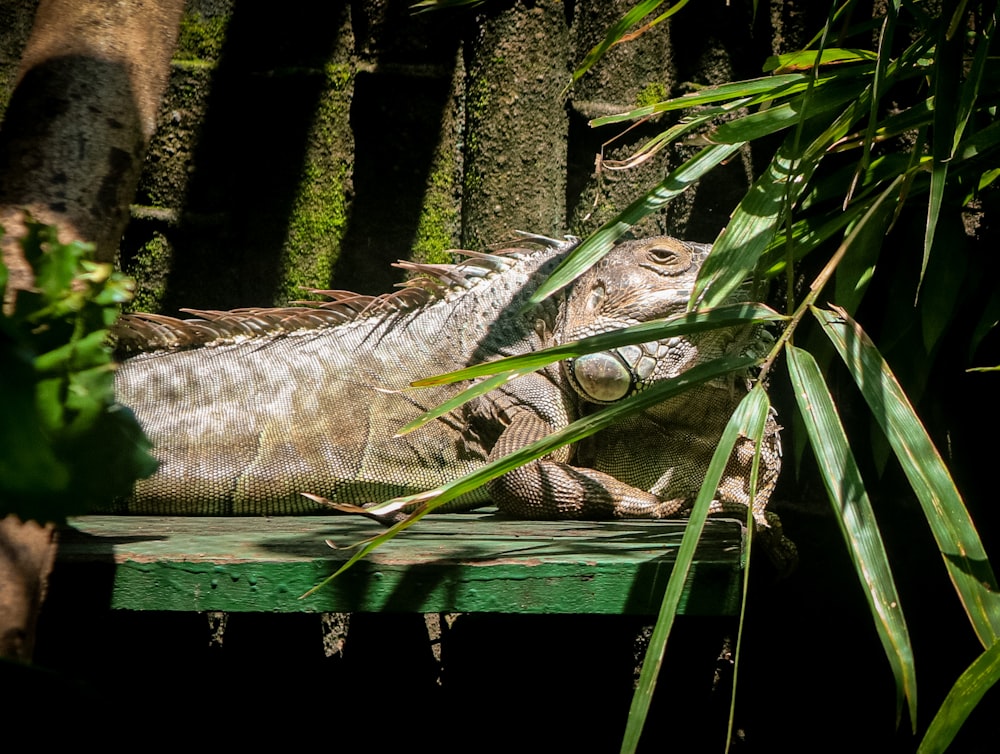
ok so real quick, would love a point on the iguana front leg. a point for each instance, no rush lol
(551, 488)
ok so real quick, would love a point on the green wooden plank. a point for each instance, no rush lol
(446, 563)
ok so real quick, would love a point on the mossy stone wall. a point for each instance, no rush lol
(308, 146)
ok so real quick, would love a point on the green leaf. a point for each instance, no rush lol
(743, 93)
(751, 413)
(953, 530)
(947, 268)
(973, 80)
(970, 687)
(480, 388)
(988, 321)
(427, 5)
(68, 445)
(685, 323)
(755, 429)
(804, 60)
(807, 235)
(750, 230)
(664, 139)
(885, 41)
(28, 464)
(618, 29)
(862, 248)
(577, 430)
(780, 116)
(603, 239)
(939, 177)
(853, 509)
(504, 370)
(980, 143)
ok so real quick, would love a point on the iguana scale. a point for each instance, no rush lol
(248, 409)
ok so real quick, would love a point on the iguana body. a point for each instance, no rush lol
(249, 409)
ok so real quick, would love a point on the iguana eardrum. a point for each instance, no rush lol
(248, 409)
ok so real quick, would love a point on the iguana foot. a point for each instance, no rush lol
(780, 550)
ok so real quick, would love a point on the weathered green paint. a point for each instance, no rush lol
(446, 563)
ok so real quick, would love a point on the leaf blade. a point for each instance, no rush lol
(747, 413)
(686, 323)
(601, 241)
(965, 694)
(846, 491)
(953, 529)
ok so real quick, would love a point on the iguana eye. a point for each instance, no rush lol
(670, 259)
(666, 256)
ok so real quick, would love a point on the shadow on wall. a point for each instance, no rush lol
(276, 163)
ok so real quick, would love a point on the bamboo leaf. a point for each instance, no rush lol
(970, 687)
(988, 321)
(751, 411)
(746, 93)
(786, 114)
(684, 323)
(601, 241)
(808, 234)
(939, 176)
(878, 89)
(862, 246)
(947, 268)
(426, 5)
(755, 429)
(618, 29)
(663, 139)
(980, 143)
(474, 391)
(847, 494)
(504, 370)
(577, 430)
(750, 230)
(953, 529)
(804, 60)
(947, 75)
(970, 88)
(425, 502)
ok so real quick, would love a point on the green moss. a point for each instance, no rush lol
(440, 219)
(5, 92)
(651, 94)
(478, 95)
(319, 219)
(201, 38)
(338, 75)
(149, 269)
(320, 212)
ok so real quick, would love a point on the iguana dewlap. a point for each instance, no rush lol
(249, 409)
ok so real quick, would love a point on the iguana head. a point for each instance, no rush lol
(638, 281)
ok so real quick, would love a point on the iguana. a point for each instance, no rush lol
(250, 408)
